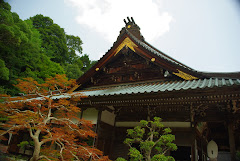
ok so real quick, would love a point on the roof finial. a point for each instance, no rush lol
(132, 20)
(128, 19)
(132, 27)
(125, 21)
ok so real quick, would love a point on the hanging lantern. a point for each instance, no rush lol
(212, 149)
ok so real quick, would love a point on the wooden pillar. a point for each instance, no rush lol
(193, 151)
(95, 141)
(194, 141)
(113, 138)
(81, 115)
(201, 154)
(194, 145)
(232, 141)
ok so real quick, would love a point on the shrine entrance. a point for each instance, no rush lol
(183, 153)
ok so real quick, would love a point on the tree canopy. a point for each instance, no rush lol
(52, 123)
(153, 141)
(38, 48)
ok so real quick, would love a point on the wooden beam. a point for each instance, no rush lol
(232, 141)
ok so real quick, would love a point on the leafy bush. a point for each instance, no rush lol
(150, 135)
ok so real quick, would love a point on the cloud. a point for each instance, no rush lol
(106, 16)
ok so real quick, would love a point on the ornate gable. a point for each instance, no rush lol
(132, 59)
(127, 66)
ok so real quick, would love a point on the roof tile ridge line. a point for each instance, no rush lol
(238, 80)
(140, 83)
(209, 72)
(168, 56)
(175, 84)
(198, 82)
(136, 83)
(163, 54)
(143, 43)
(225, 75)
(126, 84)
(169, 85)
(121, 34)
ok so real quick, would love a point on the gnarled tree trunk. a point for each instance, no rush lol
(37, 145)
(36, 152)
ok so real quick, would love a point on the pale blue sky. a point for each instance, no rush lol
(202, 34)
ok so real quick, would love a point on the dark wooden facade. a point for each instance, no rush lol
(134, 81)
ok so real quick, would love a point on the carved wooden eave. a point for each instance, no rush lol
(208, 104)
(136, 44)
(212, 96)
(127, 41)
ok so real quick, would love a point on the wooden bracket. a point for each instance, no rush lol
(235, 108)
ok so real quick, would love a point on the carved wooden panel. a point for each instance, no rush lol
(127, 66)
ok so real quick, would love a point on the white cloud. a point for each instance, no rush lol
(106, 16)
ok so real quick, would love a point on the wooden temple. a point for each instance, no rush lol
(134, 81)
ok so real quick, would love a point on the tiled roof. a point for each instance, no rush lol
(156, 52)
(149, 87)
(160, 86)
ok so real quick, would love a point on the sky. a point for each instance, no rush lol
(202, 34)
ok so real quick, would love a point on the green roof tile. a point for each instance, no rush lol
(159, 86)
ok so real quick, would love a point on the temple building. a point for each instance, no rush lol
(135, 81)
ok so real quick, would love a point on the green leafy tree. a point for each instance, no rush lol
(54, 38)
(4, 71)
(87, 63)
(73, 71)
(74, 44)
(14, 36)
(37, 48)
(20, 51)
(74, 66)
(152, 137)
(61, 48)
(4, 75)
(78, 66)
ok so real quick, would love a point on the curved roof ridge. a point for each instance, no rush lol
(160, 81)
(225, 75)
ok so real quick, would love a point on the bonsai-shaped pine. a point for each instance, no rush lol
(151, 136)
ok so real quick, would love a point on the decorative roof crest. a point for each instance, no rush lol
(133, 28)
(130, 23)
